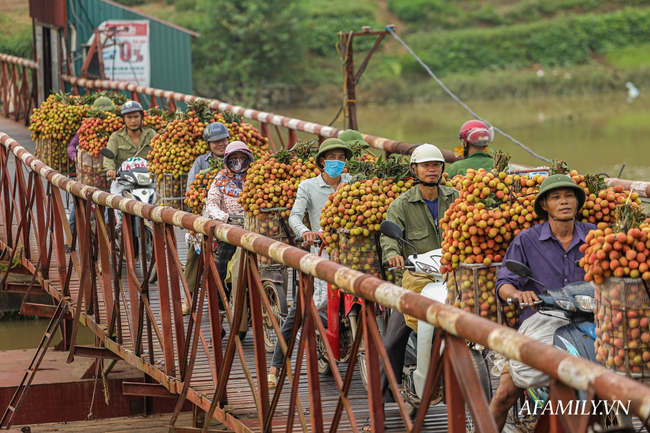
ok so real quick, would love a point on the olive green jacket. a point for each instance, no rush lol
(122, 146)
(476, 160)
(410, 212)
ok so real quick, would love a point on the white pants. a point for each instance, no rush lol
(540, 327)
(320, 286)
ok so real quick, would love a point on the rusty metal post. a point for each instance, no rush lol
(132, 279)
(210, 277)
(311, 355)
(376, 404)
(472, 393)
(177, 303)
(453, 395)
(350, 85)
(163, 294)
(255, 292)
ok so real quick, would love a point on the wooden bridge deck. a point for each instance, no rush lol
(240, 399)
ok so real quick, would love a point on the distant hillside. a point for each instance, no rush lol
(285, 52)
(485, 48)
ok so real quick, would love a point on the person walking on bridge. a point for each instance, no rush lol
(550, 250)
(311, 198)
(475, 136)
(217, 136)
(101, 104)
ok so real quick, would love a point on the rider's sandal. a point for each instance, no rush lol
(273, 380)
(186, 309)
(366, 426)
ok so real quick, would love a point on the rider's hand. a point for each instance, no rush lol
(111, 174)
(396, 262)
(526, 299)
(308, 238)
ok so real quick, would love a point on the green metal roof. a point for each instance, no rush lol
(169, 44)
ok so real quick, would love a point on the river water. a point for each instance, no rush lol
(27, 334)
(595, 134)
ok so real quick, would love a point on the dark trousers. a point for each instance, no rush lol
(71, 218)
(226, 251)
(287, 326)
(395, 342)
(191, 266)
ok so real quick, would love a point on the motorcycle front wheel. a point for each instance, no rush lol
(323, 363)
(278, 301)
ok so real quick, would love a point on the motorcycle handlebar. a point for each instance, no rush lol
(302, 242)
(515, 302)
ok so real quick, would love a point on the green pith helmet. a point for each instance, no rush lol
(103, 103)
(557, 181)
(331, 144)
(350, 136)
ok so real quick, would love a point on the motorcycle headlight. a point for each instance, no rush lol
(565, 305)
(143, 178)
(585, 303)
(128, 177)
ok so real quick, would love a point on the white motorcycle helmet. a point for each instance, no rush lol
(425, 153)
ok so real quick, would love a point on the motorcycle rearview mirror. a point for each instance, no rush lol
(108, 153)
(519, 268)
(393, 231)
(522, 270)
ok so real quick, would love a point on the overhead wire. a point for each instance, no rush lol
(455, 98)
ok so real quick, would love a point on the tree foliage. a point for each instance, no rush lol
(246, 43)
(564, 41)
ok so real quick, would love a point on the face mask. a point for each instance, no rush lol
(238, 165)
(334, 168)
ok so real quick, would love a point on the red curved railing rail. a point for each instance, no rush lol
(17, 87)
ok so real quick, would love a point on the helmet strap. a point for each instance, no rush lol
(428, 184)
(465, 149)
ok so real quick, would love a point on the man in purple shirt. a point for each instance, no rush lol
(550, 250)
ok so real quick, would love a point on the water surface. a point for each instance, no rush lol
(593, 134)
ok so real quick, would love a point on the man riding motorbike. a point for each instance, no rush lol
(475, 136)
(131, 141)
(550, 250)
(417, 212)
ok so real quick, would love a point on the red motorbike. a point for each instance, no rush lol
(342, 321)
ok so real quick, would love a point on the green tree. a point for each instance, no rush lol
(246, 44)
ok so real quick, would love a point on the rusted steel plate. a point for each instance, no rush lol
(94, 352)
(41, 310)
(146, 390)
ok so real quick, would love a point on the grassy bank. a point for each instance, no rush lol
(481, 50)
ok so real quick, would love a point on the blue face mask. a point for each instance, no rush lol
(334, 168)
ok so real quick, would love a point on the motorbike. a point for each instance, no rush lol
(134, 181)
(341, 321)
(420, 345)
(577, 337)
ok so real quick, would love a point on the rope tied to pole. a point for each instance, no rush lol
(455, 98)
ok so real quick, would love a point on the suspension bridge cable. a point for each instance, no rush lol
(455, 98)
